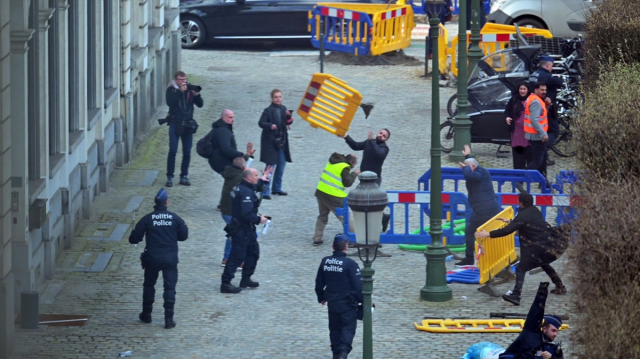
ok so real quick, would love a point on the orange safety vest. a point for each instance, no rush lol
(528, 127)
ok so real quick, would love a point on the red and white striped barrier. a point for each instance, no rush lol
(339, 13)
(393, 13)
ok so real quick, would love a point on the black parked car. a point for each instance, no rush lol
(203, 21)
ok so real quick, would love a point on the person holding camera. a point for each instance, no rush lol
(181, 96)
(242, 231)
(274, 142)
(163, 230)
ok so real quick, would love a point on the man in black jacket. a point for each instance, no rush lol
(244, 218)
(375, 151)
(330, 192)
(163, 230)
(536, 246)
(339, 285)
(180, 101)
(224, 143)
(536, 341)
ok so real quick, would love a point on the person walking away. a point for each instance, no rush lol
(339, 286)
(375, 151)
(162, 230)
(330, 193)
(482, 199)
(274, 142)
(181, 125)
(536, 246)
(242, 230)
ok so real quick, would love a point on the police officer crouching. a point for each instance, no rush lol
(163, 230)
(242, 230)
(339, 283)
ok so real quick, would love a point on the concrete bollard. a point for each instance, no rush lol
(30, 304)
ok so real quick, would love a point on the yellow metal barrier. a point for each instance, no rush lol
(474, 326)
(495, 254)
(356, 28)
(329, 104)
(494, 37)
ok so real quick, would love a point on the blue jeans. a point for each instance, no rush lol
(227, 245)
(277, 175)
(187, 143)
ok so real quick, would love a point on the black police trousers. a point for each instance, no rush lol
(170, 279)
(244, 248)
(342, 325)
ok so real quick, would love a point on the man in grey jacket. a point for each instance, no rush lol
(536, 126)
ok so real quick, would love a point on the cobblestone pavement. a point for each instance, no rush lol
(281, 319)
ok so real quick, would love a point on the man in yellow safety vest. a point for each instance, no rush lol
(330, 192)
(536, 126)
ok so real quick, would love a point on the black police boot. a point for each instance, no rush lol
(512, 298)
(145, 317)
(185, 181)
(229, 288)
(169, 182)
(168, 322)
(248, 283)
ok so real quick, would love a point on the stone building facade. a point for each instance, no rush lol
(79, 80)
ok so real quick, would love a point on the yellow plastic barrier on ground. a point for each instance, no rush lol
(495, 254)
(329, 104)
(363, 29)
(494, 37)
(474, 325)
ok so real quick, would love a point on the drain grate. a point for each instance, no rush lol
(88, 262)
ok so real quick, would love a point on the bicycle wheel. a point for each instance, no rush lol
(452, 106)
(564, 146)
(446, 136)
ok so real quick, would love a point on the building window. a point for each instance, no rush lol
(33, 114)
(54, 80)
(108, 44)
(74, 75)
(91, 54)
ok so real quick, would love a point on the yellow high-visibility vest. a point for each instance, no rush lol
(331, 180)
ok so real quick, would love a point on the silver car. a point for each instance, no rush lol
(564, 18)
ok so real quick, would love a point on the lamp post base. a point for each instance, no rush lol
(436, 289)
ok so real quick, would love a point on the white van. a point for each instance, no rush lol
(564, 18)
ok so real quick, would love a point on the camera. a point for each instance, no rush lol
(162, 121)
(195, 88)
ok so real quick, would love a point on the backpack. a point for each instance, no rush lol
(204, 147)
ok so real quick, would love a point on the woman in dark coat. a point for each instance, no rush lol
(514, 117)
(274, 142)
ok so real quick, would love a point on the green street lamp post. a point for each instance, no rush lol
(461, 122)
(435, 289)
(367, 201)
(475, 52)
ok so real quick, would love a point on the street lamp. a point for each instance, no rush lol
(461, 122)
(367, 201)
(435, 289)
(475, 52)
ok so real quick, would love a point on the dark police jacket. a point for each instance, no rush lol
(531, 340)
(181, 103)
(244, 209)
(163, 230)
(553, 83)
(339, 278)
(373, 154)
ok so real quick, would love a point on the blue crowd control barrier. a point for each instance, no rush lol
(501, 176)
(344, 30)
(420, 8)
(401, 201)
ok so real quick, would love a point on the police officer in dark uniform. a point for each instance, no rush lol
(554, 83)
(242, 230)
(339, 284)
(163, 230)
(536, 341)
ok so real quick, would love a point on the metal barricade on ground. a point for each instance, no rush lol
(495, 254)
(329, 104)
(474, 325)
(361, 29)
